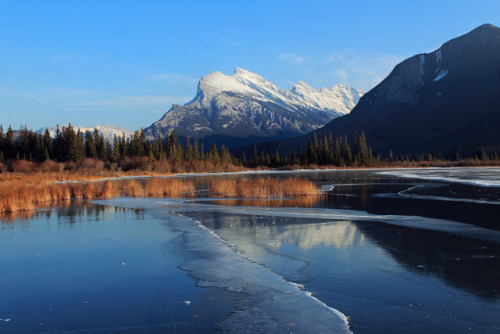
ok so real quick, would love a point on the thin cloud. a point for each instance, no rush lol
(361, 70)
(342, 74)
(63, 57)
(175, 78)
(291, 58)
(140, 103)
(229, 43)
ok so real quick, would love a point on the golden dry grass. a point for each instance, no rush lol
(158, 187)
(263, 188)
(23, 192)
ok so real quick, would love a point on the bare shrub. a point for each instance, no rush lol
(51, 166)
(69, 166)
(136, 163)
(22, 166)
(91, 166)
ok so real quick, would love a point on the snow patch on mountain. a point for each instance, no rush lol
(441, 75)
(422, 62)
(438, 56)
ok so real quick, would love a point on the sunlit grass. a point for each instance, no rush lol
(266, 188)
(24, 192)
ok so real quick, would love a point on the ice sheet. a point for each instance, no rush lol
(478, 176)
(268, 302)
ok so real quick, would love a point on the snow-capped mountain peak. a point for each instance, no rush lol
(301, 86)
(337, 100)
(247, 105)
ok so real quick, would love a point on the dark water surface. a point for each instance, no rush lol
(97, 269)
(387, 278)
(402, 251)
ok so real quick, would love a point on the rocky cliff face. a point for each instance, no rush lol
(446, 101)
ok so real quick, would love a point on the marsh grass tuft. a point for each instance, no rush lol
(158, 187)
(266, 188)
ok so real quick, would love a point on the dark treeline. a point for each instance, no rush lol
(171, 155)
(134, 152)
(341, 152)
(328, 151)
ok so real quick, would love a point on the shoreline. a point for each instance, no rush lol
(24, 192)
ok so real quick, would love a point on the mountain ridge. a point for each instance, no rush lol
(447, 100)
(245, 105)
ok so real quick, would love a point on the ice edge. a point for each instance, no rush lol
(298, 286)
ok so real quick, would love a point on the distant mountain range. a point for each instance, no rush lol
(444, 101)
(245, 108)
(108, 131)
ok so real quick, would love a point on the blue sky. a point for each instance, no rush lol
(126, 62)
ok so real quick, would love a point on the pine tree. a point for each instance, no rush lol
(363, 153)
(9, 144)
(268, 159)
(188, 150)
(74, 147)
(213, 154)
(196, 150)
(101, 148)
(337, 153)
(202, 151)
(116, 149)
(2, 140)
(391, 156)
(346, 152)
(90, 149)
(97, 142)
(80, 146)
(255, 156)
(46, 144)
(224, 154)
(109, 150)
(325, 151)
(58, 146)
(136, 145)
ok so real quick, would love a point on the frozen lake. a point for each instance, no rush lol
(412, 251)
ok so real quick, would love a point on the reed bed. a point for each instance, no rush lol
(158, 187)
(17, 195)
(26, 193)
(110, 189)
(224, 188)
(266, 188)
(132, 188)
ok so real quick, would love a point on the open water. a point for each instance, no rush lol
(413, 251)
